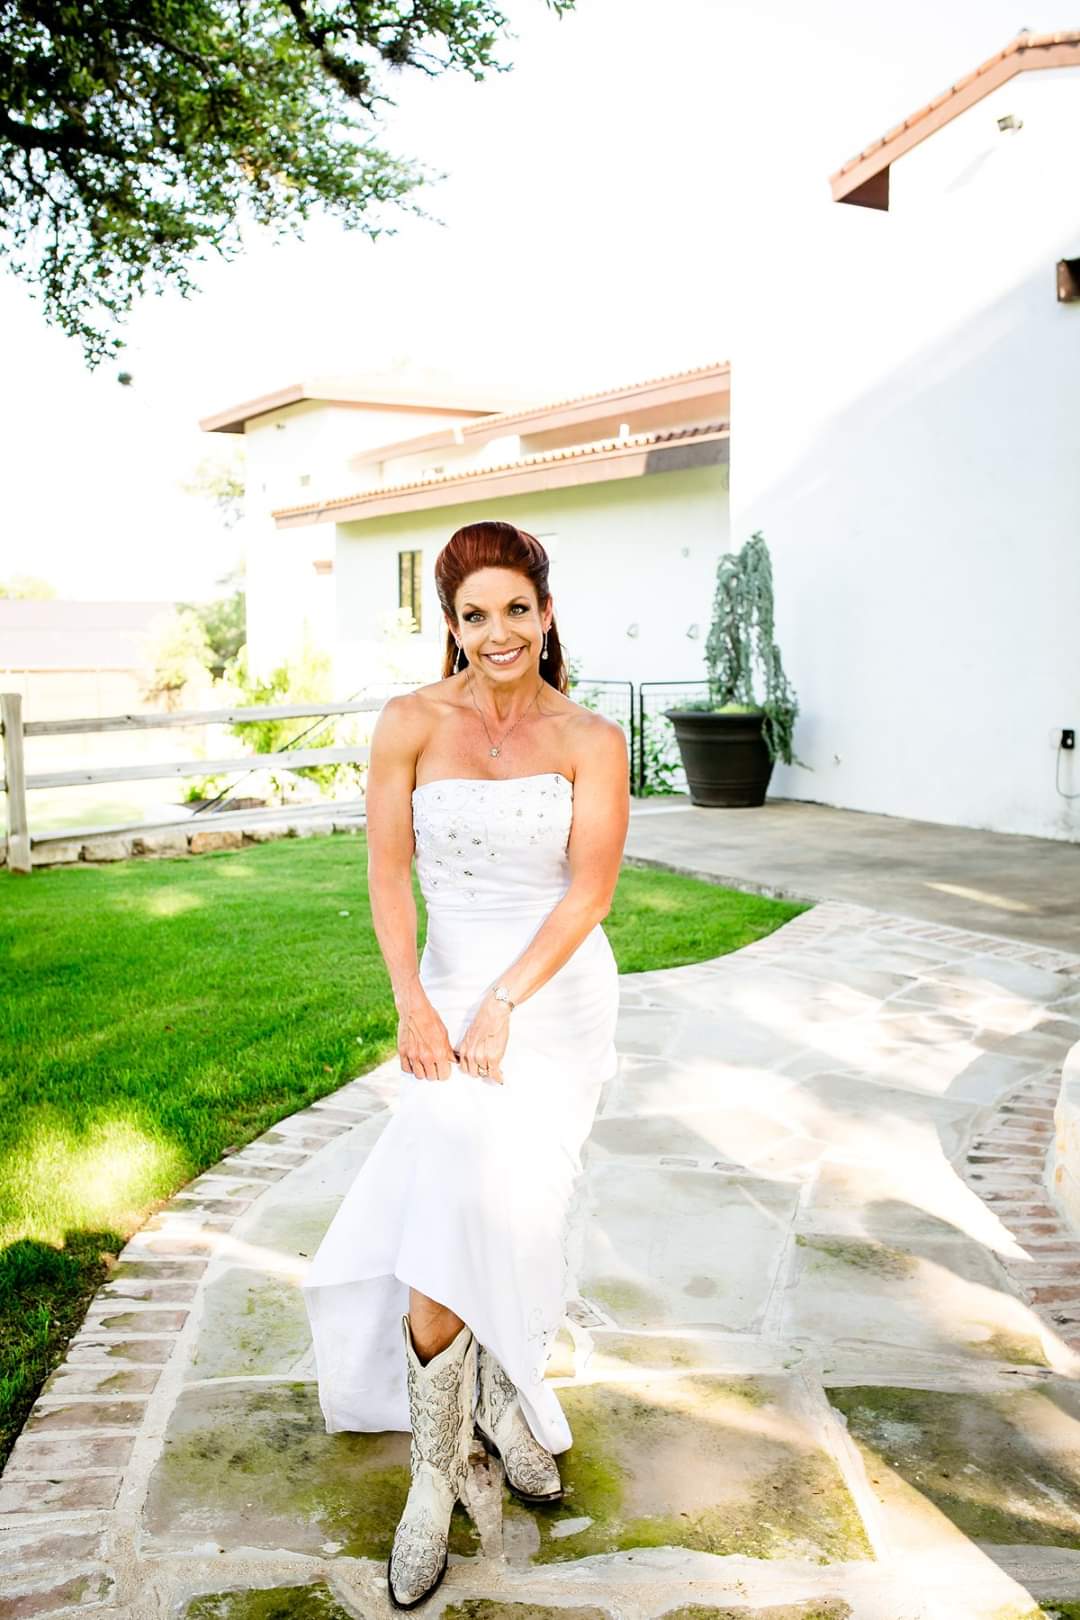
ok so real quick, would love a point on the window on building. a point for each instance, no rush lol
(409, 583)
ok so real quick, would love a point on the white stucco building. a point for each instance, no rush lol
(905, 432)
(627, 488)
(902, 429)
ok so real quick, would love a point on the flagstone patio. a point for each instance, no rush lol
(820, 1361)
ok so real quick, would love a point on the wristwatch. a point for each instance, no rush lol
(501, 993)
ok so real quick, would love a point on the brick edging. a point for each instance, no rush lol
(87, 1436)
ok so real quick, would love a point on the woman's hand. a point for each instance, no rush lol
(423, 1044)
(484, 1042)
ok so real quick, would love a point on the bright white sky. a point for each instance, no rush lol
(600, 200)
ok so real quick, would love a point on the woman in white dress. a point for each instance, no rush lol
(515, 801)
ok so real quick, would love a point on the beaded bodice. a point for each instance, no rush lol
(498, 843)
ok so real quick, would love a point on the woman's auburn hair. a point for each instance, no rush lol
(494, 544)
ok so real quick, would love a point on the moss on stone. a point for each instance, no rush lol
(252, 1323)
(877, 1257)
(493, 1609)
(1017, 1351)
(256, 1465)
(815, 1609)
(315, 1602)
(647, 1351)
(621, 1296)
(633, 1444)
(971, 1456)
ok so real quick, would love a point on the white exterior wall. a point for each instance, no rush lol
(905, 433)
(637, 551)
(294, 455)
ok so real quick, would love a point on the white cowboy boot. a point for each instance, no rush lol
(440, 1413)
(531, 1471)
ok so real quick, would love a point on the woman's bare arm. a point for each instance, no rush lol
(423, 1043)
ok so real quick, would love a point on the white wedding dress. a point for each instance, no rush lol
(466, 1193)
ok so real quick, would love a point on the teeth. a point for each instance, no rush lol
(504, 658)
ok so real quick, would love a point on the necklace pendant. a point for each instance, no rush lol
(493, 752)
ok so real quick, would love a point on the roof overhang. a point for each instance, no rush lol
(361, 394)
(676, 391)
(635, 457)
(864, 179)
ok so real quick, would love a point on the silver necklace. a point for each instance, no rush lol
(496, 747)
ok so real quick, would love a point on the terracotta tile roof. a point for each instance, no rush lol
(551, 416)
(1024, 52)
(605, 447)
(605, 393)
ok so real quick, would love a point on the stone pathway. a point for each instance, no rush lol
(820, 1363)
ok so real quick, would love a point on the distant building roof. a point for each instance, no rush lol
(632, 456)
(664, 398)
(864, 179)
(54, 634)
(419, 392)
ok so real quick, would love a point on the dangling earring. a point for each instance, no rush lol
(459, 662)
(543, 649)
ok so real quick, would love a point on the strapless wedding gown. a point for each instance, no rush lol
(466, 1193)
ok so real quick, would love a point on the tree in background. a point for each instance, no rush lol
(133, 138)
(24, 587)
(221, 482)
(223, 621)
(178, 655)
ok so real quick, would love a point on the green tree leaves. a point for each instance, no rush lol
(136, 134)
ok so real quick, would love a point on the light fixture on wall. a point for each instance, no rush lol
(694, 631)
(1068, 281)
(1009, 121)
(632, 630)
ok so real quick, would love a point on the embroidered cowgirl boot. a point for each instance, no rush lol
(440, 1413)
(531, 1472)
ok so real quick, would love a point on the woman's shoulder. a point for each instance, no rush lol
(416, 706)
(594, 737)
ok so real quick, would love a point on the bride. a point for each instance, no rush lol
(515, 801)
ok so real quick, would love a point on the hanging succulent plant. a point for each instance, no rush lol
(742, 630)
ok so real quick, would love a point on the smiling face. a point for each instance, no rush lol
(500, 623)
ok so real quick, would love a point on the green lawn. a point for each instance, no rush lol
(155, 1012)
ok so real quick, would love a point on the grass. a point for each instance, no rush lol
(154, 1013)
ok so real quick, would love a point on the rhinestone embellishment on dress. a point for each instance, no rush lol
(518, 821)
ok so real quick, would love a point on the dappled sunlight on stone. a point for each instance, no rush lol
(682, 1220)
(997, 1467)
(271, 1262)
(703, 1462)
(938, 1295)
(1000, 902)
(252, 1466)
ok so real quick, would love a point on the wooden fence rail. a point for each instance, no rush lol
(15, 783)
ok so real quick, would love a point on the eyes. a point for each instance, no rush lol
(475, 613)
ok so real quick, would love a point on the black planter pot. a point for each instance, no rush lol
(725, 757)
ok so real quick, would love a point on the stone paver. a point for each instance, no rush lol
(999, 883)
(820, 1357)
